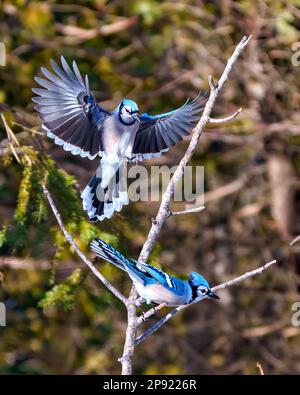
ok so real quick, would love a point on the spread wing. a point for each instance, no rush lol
(68, 110)
(158, 133)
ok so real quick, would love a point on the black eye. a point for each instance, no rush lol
(203, 290)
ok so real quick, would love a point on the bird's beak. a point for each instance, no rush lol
(136, 117)
(212, 295)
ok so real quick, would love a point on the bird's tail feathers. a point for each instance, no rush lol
(110, 254)
(109, 166)
(99, 202)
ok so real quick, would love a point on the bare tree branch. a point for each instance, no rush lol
(295, 240)
(17, 263)
(13, 140)
(191, 210)
(226, 119)
(260, 369)
(174, 312)
(227, 189)
(76, 35)
(164, 209)
(81, 255)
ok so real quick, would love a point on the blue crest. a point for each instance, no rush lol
(196, 280)
(130, 103)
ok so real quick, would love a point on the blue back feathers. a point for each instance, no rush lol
(172, 283)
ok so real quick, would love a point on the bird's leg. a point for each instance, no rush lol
(159, 307)
(153, 311)
(139, 301)
(144, 313)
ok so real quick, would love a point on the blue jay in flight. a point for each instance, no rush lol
(71, 117)
(154, 285)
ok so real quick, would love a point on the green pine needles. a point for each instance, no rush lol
(32, 229)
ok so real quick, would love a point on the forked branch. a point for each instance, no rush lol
(164, 209)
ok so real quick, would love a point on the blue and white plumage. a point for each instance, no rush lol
(154, 285)
(71, 117)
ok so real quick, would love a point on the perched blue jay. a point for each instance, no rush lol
(72, 118)
(154, 285)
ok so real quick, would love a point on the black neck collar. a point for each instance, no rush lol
(194, 292)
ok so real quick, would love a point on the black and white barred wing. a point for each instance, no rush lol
(68, 110)
(158, 133)
(172, 283)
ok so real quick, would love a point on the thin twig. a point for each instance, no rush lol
(31, 130)
(70, 239)
(16, 263)
(243, 276)
(191, 210)
(174, 312)
(295, 240)
(12, 138)
(226, 119)
(226, 189)
(260, 369)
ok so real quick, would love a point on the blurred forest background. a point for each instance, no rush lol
(60, 319)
